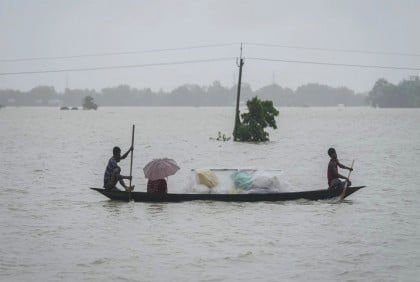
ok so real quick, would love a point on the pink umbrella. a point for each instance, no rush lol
(160, 168)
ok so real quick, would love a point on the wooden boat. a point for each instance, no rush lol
(268, 197)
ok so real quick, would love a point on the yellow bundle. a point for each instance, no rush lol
(207, 177)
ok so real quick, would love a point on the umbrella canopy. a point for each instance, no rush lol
(160, 168)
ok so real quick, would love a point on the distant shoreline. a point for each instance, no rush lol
(405, 94)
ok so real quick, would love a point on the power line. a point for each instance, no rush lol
(117, 53)
(335, 50)
(120, 67)
(207, 61)
(105, 54)
(335, 64)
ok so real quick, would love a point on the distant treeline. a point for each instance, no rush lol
(404, 95)
(383, 94)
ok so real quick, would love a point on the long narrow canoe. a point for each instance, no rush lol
(269, 197)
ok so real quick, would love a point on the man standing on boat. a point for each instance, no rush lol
(332, 174)
(113, 171)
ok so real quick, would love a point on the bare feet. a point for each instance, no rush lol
(131, 188)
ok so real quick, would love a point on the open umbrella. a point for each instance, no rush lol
(160, 168)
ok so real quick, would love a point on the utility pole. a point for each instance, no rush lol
(67, 83)
(238, 96)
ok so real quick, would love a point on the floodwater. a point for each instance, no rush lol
(54, 228)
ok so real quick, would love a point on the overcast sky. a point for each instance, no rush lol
(51, 28)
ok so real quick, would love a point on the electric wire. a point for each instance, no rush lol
(120, 66)
(118, 53)
(105, 54)
(334, 64)
(206, 60)
(334, 50)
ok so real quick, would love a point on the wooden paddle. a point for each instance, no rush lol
(343, 194)
(131, 164)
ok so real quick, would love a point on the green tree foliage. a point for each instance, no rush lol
(88, 103)
(261, 114)
(404, 95)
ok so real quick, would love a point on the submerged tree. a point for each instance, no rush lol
(261, 114)
(88, 103)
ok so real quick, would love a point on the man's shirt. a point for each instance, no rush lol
(110, 168)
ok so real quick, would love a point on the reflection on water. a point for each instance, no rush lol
(153, 209)
(121, 207)
(117, 207)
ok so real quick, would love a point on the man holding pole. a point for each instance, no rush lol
(113, 171)
(332, 174)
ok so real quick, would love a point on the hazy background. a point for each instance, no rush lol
(34, 29)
